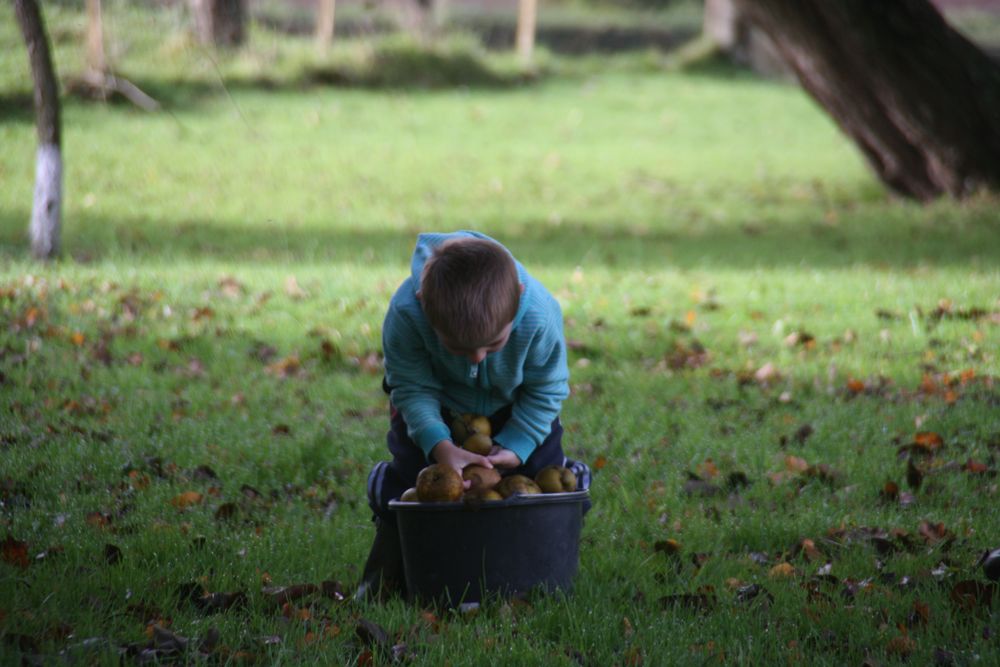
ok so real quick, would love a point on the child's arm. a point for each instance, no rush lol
(415, 389)
(539, 398)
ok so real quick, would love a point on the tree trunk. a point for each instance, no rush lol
(325, 12)
(46, 211)
(919, 100)
(527, 11)
(96, 61)
(220, 22)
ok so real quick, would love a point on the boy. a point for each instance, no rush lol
(468, 332)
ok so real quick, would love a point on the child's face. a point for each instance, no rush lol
(477, 354)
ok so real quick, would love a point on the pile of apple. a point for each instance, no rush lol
(440, 483)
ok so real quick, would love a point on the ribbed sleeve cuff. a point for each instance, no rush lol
(426, 438)
(517, 441)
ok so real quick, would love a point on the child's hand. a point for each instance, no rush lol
(450, 454)
(503, 458)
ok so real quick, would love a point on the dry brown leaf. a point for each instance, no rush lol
(796, 464)
(15, 552)
(855, 386)
(285, 368)
(975, 467)
(928, 440)
(292, 288)
(186, 499)
(781, 570)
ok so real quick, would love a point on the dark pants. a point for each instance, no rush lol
(388, 479)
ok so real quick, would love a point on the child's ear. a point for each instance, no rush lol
(420, 299)
(521, 285)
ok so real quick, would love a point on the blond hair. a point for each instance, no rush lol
(470, 290)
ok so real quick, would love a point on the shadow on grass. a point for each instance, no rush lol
(16, 108)
(898, 243)
(392, 63)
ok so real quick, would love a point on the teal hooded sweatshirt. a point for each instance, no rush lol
(529, 373)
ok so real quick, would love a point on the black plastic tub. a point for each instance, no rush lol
(461, 552)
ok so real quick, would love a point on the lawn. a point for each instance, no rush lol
(784, 378)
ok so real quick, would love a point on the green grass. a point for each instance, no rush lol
(246, 226)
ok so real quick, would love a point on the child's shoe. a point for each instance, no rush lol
(991, 565)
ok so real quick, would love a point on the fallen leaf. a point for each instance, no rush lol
(901, 645)
(781, 570)
(890, 491)
(708, 469)
(921, 613)
(669, 547)
(928, 440)
(808, 549)
(971, 594)
(285, 594)
(230, 287)
(215, 602)
(974, 467)
(796, 464)
(226, 511)
(934, 532)
(285, 368)
(168, 642)
(186, 499)
(292, 288)
(14, 552)
(293, 613)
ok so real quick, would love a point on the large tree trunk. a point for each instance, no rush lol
(220, 22)
(46, 211)
(919, 99)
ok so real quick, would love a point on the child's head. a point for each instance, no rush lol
(470, 292)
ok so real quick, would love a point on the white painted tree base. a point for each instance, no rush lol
(46, 209)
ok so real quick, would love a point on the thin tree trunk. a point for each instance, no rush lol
(46, 211)
(919, 100)
(527, 11)
(96, 61)
(325, 12)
